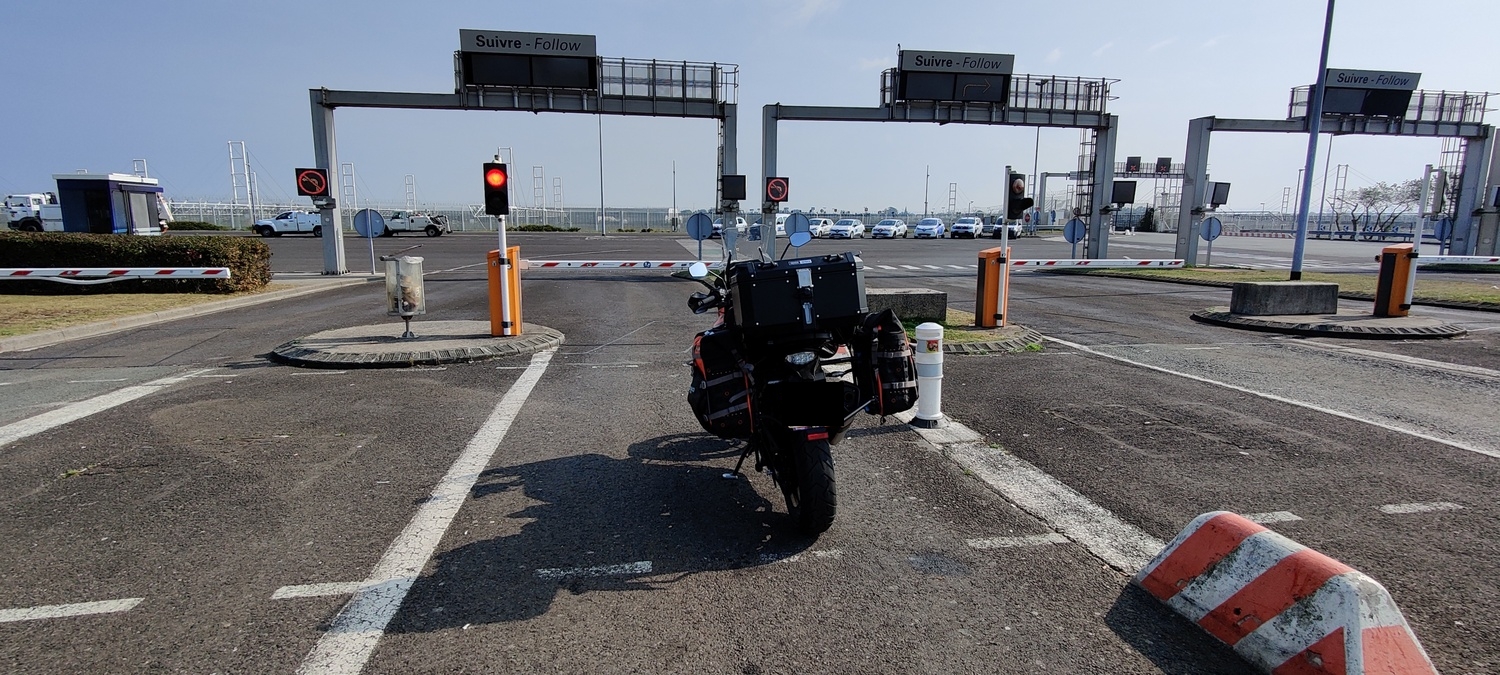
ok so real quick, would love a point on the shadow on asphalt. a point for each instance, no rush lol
(664, 504)
(1174, 644)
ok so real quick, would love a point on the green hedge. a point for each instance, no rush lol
(185, 225)
(249, 261)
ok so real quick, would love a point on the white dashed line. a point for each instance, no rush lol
(120, 379)
(1273, 517)
(321, 372)
(885, 267)
(352, 636)
(1017, 542)
(911, 267)
(1118, 543)
(1419, 507)
(831, 554)
(316, 590)
(642, 567)
(933, 267)
(76, 609)
(960, 267)
(52, 419)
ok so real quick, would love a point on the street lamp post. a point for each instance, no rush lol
(1314, 122)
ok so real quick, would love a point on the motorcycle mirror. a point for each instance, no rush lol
(800, 239)
(698, 270)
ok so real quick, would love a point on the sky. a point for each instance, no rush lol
(95, 85)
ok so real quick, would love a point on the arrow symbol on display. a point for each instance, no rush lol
(975, 84)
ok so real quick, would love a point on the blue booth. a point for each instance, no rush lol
(113, 203)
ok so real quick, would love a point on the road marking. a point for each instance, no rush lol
(933, 267)
(1273, 517)
(960, 267)
(622, 337)
(886, 267)
(1201, 348)
(76, 609)
(911, 267)
(1017, 542)
(321, 372)
(1401, 358)
(351, 638)
(52, 419)
(119, 379)
(1419, 507)
(1281, 399)
(769, 558)
(316, 590)
(1118, 543)
(642, 567)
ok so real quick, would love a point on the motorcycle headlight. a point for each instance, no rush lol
(800, 358)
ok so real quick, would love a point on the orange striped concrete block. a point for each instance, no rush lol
(1282, 606)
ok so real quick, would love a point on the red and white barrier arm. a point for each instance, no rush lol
(1099, 263)
(615, 264)
(101, 275)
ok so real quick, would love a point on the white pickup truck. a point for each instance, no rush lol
(32, 212)
(290, 222)
(434, 225)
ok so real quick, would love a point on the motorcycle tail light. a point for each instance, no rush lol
(800, 358)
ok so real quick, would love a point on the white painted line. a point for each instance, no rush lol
(76, 609)
(1204, 349)
(911, 267)
(1273, 517)
(642, 567)
(885, 267)
(353, 634)
(1017, 542)
(316, 590)
(119, 379)
(1419, 507)
(1281, 399)
(960, 267)
(1402, 358)
(52, 419)
(321, 372)
(933, 267)
(831, 554)
(1118, 543)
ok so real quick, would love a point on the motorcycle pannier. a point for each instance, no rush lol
(885, 367)
(796, 295)
(720, 390)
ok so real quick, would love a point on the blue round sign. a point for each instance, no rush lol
(1074, 231)
(797, 222)
(700, 226)
(1212, 229)
(369, 223)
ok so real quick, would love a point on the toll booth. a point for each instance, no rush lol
(113, 203)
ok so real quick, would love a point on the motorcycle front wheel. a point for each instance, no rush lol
(811, 495)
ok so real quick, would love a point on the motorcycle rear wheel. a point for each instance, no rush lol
(812, 496)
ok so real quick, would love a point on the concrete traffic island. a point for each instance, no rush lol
(436, 343)
(1311, 309)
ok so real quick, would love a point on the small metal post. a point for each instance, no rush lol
(929, 358)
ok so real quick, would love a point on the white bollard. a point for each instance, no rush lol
(929, 358)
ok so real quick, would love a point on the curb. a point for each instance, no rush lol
(1282, 606)
(1343, 295)
(59, 335)
(1020, 343)
(302, 352)
(1219, 317)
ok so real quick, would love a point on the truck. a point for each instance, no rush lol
(435, 225)
(33, 212)
(290, 222)
(107, 203)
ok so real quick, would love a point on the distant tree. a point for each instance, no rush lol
(1148, 220)
(1376, 208)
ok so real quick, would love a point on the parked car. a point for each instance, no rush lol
(290, 222)
(988, 225)
(890, 228)
(1013, 227)
(967, 227)
(931, 228)
(740, 226)
(820, 226)
(848, 228)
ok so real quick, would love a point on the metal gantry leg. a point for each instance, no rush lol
(1465, 230)
(1104, 178)
(325, 156)
(1194, 188)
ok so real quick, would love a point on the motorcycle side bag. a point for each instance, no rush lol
(884, 366)
(719, 393)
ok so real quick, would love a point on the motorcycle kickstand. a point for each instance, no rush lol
(733, 475)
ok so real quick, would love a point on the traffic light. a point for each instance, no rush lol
(1016, 201)
(496, 196)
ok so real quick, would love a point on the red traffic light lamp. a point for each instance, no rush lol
(496, 196)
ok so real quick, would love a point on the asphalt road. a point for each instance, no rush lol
(236, 506)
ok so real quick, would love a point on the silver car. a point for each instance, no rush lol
(890, 228)
(848, 228)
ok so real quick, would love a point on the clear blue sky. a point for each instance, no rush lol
(96, 84)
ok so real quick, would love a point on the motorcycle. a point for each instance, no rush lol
(775, 369)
